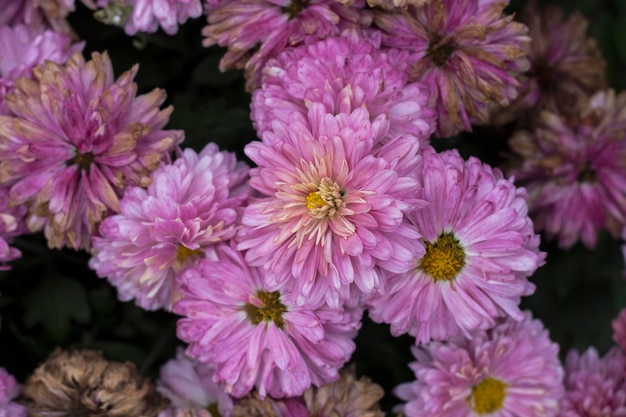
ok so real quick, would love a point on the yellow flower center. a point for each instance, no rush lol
(444, 258)
(488, 396)
(271, 310)
(183, 253)
(326, 201)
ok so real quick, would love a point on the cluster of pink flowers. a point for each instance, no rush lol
(348, 207)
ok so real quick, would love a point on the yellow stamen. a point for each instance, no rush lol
(444, 258)
(183, 253)
(314, 200)
(488, 396)
(271, 310)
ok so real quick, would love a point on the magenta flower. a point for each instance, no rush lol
(255, 333)
(9, 390)
(79, 138)
(594, 386)
(480, 249)
(256, 30)
(511, 370)
(148, 15)
(39, 15)
(574, 172)
(188, 384)
(190, 206)
(11, 225)
(330, 213)
(465, 52)
(343, 73)
(21, 50)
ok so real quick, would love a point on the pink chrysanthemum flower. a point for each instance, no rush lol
(574, 171)
(78, 138)
(343, 73)
(255, 333)
(21, 51)
(465, 52)
(594, 386)
(331, 213)
(566, 67)
(148, 15)
(189, 386)
(9, 389)
(190, 206)
(480, 249)
(256, 30)
(11, 225)
(511, 370)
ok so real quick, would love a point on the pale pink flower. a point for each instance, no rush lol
(148, 15)
(573, 169)
(480, 250)
(11, 225)
(190, 206)
(465, 52)
(256, 30)
(511, 370)
(78, 139)
(21, 50)
(189, 386)
(330, 213)
(9, 390)
(594, 386)
(255, 334)
(344, 73)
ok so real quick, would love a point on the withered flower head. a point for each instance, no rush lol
(566, 66)
(467, 53)
(83, 383)
(346, 397)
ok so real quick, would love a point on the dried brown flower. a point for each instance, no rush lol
(566, 66)
(82, 383)
(346, 397)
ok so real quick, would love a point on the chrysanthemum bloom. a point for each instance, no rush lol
(190, 206)
(78, 138)
(330, 213)
(11, 225)
(21, 50)
(343, 73)
(511, 370)
(39, 15)
(148, 15)
(594, 386)
(480, 249)
(465, 52)
(566, 67)
(256, 30)
(255, 334)
(9, 389)
(574, 171)
(346, 397)
(71, 383)
(189, 386)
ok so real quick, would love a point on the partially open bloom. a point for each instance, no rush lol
(566, 67)
(256, 30)
(255, 334)
(38, 15)
(511, 370)
(330, 212)
(480, 250)
(189, 386)
(465, 52)
(594, 386)
(9, 390)
(21, 50)
(148, 15)
(11, 225)
(78, 139)
(190, 206)
(71, 383)
(574, 171)
(344, 73)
